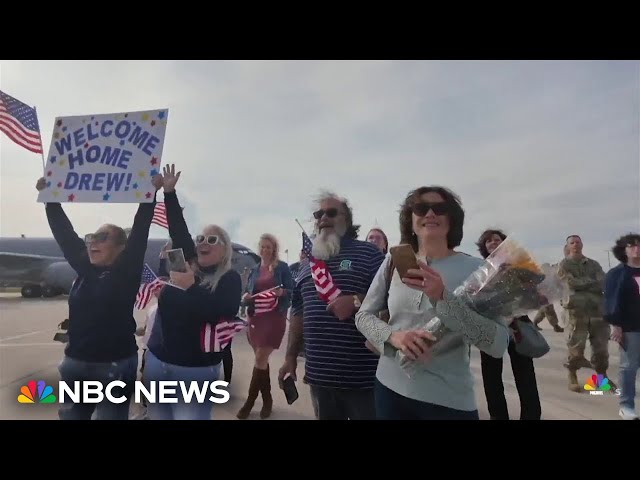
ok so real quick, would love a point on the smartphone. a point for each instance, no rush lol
(290, 390)
(404, 259)
(176, 261)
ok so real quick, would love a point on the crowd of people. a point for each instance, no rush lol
(350, 314)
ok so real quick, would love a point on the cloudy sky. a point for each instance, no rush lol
(540, 149)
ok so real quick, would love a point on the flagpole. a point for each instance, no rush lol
(301, 227)
(44, 163)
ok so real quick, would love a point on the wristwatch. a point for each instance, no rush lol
(356, 302)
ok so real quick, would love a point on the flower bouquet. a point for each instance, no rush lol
(508, 284)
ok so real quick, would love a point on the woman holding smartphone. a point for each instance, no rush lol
(102, 344)
(431, 222)
(208, 292)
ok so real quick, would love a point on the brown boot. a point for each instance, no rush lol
(254, 390)
(574, 386)
(267, 399)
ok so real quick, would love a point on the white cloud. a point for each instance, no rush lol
(543, 149)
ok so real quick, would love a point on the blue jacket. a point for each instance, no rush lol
(618, 290)
(282, 276)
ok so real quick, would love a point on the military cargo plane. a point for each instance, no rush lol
(38, 268)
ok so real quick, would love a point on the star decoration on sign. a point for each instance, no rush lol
(56, 135)
(56, 193)
(71, 197)
(153, 172)
(153, 123)
(59, 184)
(59, 122)
(52, 159)
(86, 145)
(138, 195)
(105, 197)
(135, 185)
(145, 117)
(48, 184)
(161, 115)
(62, 162)
(153, 161)
(148, 195)
(49, 173)
(141, 173)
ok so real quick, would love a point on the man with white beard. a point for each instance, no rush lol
(340, 369)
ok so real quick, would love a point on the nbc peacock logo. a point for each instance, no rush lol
(36, 392)
(597, 384)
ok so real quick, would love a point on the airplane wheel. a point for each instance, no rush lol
(31, 291)
(49, 291)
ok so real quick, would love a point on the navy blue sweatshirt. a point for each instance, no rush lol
(175, 337)
(622, 298)
(101, 300)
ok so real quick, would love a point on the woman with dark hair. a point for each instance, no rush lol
(206, 294)
(523, 370)
(379, 239)
(622, 312)
(102, 343)
(431, 221)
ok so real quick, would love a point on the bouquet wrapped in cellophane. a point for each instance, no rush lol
(508, 284)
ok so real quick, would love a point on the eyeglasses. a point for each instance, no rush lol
(422, 208)
(209, 239)
(329, 212)
(96, 237)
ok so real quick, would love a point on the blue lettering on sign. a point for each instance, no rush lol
(138, 137)
(110, 157)
(71, 181)
(77, 158)
(115, 180)
(122, 129)
(152, 143)
(64, 145)
(98, 179)
(78, 137)
(125, 156)
(103, 131)
(90, 134)
(93, 154)
(85, 180)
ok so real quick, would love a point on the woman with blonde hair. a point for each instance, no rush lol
(267, 318)
(206, 294)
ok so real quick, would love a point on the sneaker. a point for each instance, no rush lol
(627, 413)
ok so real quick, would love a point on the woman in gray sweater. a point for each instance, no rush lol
(431, 221)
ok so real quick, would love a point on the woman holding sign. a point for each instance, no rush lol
(204, 295)
(268, 294)
(102, 344)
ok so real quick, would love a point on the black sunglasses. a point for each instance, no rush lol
(96, 237)
(329, 212)
(210, 239)
(422, 208)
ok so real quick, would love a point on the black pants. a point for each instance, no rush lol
(393, 406)
(344, 404)
(227, 363)
(525, 377)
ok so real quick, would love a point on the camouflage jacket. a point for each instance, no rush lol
(585, 281)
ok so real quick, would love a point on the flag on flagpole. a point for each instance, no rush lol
(215, 338)
(20, 123)
(160, 215)
(148, 286)
(320, 274)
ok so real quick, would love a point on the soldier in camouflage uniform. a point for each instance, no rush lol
(584, 308)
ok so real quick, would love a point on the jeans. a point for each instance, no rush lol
(393, 406)
(525, 377)
(157, 370)
(629, 364)
(72, 370)
(343, 404)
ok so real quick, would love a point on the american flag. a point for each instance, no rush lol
(265, 301)
(160, 215)
(20, 123)
(148, 286)
(327, 290)
(214, 338)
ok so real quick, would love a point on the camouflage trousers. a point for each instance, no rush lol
(549, 312)
(581, 327)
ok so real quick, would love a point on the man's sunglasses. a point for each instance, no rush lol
(422, 208)
(209, 239)
(329, 212)
(96, 237)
